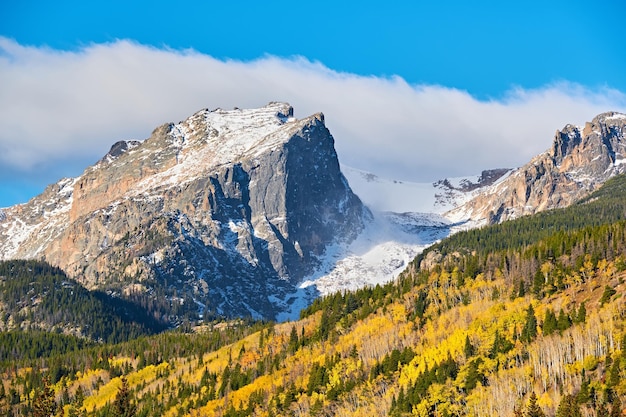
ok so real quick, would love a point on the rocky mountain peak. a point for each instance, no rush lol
(580, 160)
(602, 138)
(228, 209)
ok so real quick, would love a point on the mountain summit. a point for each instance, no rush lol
(580, 160)
(223, 212)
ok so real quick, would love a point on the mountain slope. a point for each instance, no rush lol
(580, 160)
(453, 338)
(222, 212)
(35, 295)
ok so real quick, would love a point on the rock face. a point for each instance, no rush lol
(224, 211)
(580, 160)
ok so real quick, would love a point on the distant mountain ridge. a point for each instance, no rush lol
(580, 160)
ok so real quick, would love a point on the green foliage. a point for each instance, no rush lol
(529, 332)
(468, 348)
(392, 362)
(318, 378)
(564, 321)
(17, 346)
(568, 407)
(415, 393)
(500, 345)
(474, 376)
(550, 324)
(294, 343)
(36, 292)
(123, 405)
(607, 294)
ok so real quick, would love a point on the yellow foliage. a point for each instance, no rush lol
(105, 394)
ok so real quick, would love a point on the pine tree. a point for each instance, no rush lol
(563, 321)
(468, 349)
(44, 404)
(122, 406)
(583, 395)
(529, 332)
(500, 345)
(549, 323)
(532, 409)
(293, 340)
(606, 295)
(568, 407)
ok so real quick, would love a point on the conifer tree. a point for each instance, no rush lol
(521, 292)
(468, 349)
(550, 323)
(123, 406)
(529, 332)
(563, 321)
(44, 404)
(568, 407)
(533, 409)
(293, 340)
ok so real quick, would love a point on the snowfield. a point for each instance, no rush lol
(406, 220)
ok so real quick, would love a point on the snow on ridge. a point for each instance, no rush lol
(378, 255)
(616, 116)
(381, 194)
(228, 135)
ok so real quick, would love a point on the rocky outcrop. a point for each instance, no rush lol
(226, 210)
(580, 160)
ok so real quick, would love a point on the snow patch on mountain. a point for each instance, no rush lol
(378, 255)
(383, 194)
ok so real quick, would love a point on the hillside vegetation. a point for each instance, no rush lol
(523, 318)
(35, 295)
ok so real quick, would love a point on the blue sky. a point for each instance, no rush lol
(414, 90)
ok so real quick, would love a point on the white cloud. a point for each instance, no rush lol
(64, 109)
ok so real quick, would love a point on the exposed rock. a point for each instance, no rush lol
(580, 160)
(228, 208)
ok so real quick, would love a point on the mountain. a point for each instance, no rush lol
(520, 317)
(222, 212)
(410, 216)
(247, 212)
(580, 160)
(392, 195)
(493, 329)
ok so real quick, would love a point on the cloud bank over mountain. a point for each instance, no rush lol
(62, 110)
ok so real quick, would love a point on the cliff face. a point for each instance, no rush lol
(580, 160)
(227, 210)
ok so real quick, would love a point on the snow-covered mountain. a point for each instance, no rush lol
(247, 212)
(225, 211)
(407, 217)
(580, 160)
(382, 194)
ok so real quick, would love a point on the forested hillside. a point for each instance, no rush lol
(525, 318)
(35, 295)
